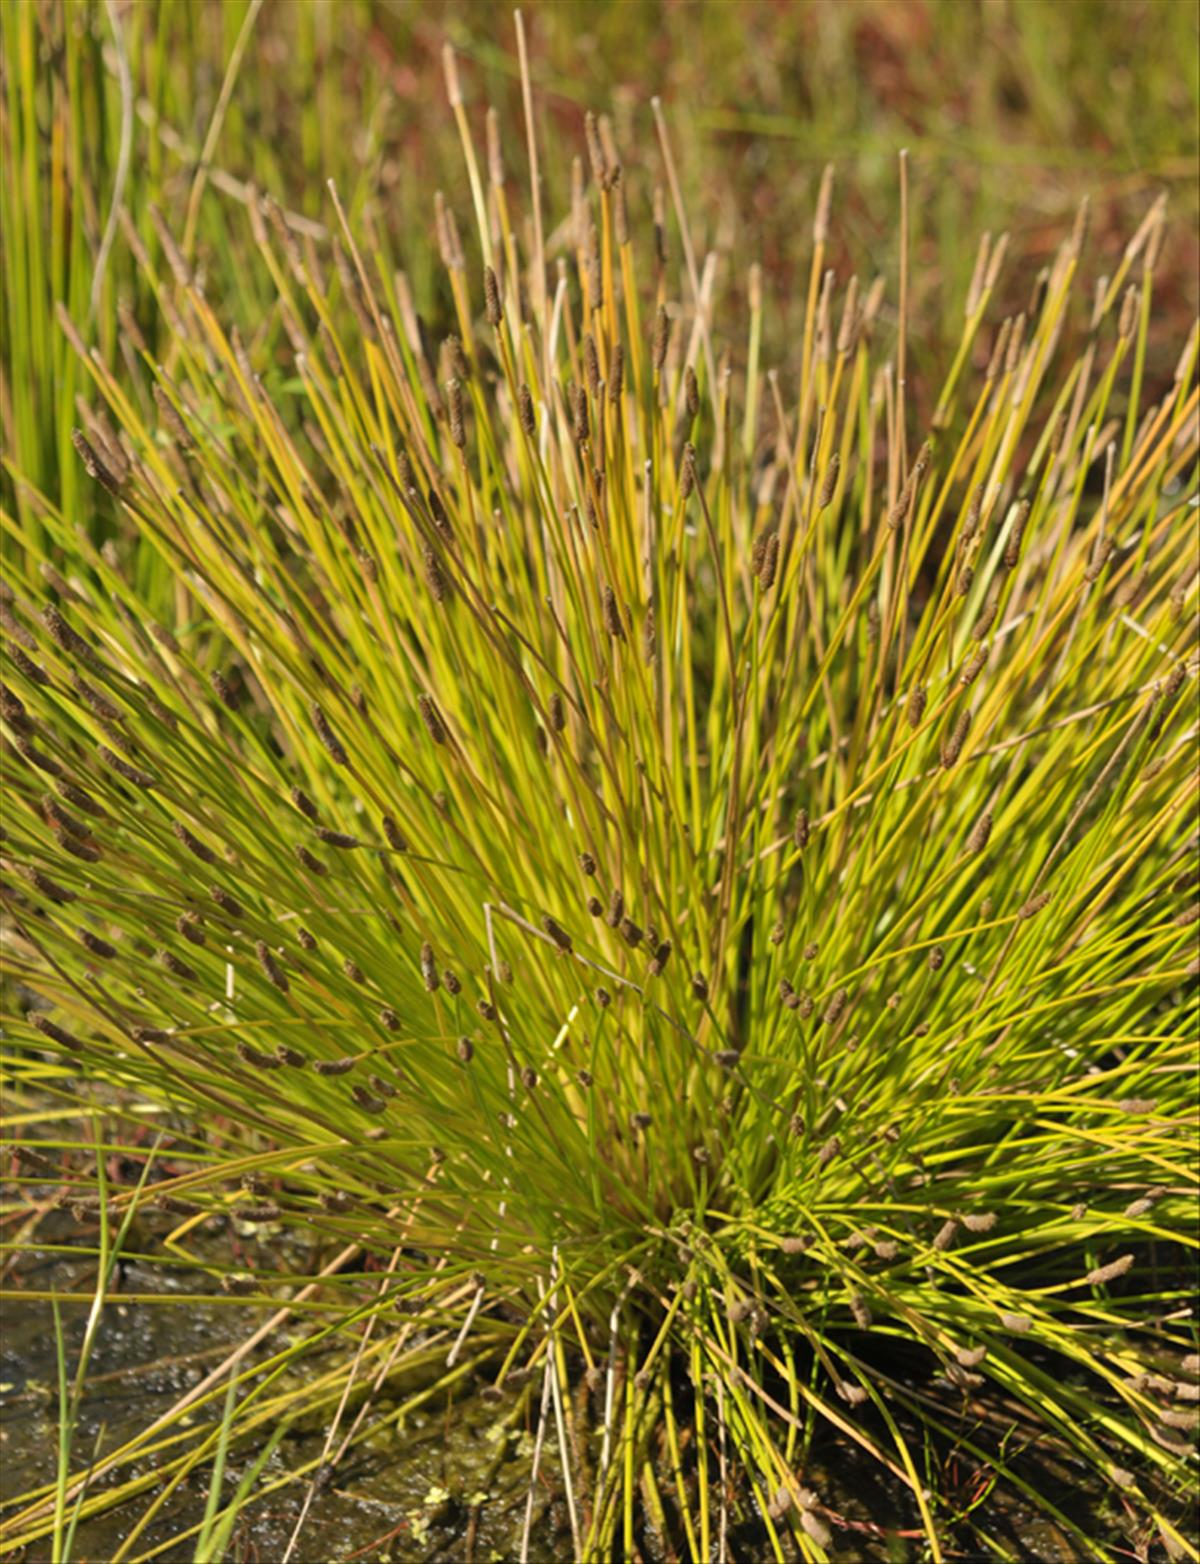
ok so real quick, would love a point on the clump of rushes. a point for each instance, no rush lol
(568, 648)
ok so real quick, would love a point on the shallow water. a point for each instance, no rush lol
(398, 1495)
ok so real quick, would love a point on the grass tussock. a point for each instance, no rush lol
(688, 862)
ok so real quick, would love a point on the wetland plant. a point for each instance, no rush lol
(687, 868)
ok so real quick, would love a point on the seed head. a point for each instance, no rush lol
(193, 843)
(770, 563)
(92, 463)
(801, 830)
(1110, 1272)
(271, 968)
(327, 736)
(1034, 905)
(458, 433)
(334, 1066)
(429, 970)
(491, 295)
(256, 1060)
(616, 373)
(691, 391)
(835, 1007)
(1012, 552)
(431, 717)
(658, 353)
(178, 968)
(612, 614)
(525, 411)
(828, 1151)
(829, 482)
(557, 933)
(465, 1049)
(311, 863)
(55, 1032)
(952, 747)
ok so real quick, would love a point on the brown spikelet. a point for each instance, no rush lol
(327, 736)
(66, 637)
(801, 829)
(175, 426)
(334, 1066)
(178, 968)
(557, 933)
(97, 946)
(491, 296)
(189, 925)
(458, 433)
(916, 706)
(979, 1221)
(591, 365)
(256, 1060)
(55, 1032)
(393, 835)
(953, 744)
(936, 958)
(1034, 905)
(829, 482)
(58, 818)
(580, 424)
(1019, 1324)
(658, 351)
(132, 774)
(987, 614)
(835, 1007)
(1109, 1273)
(616, 373)
(557, 711)
(973, 668)
(980, 834)
(366, 1101)
(828, 1151)
(429, 972)
(946, 1234)
(687, 474)
(272, 970)
(662, 955)
(93, 465)
(612, 614)
(434, 576)
(263, 1211)
(1012, 552)
(432, 719)
(337, 839)
(595, 150)
(311, 863)
(526, 411)
(45, 886)
(770, 563)
(691, 392)
(193, 844)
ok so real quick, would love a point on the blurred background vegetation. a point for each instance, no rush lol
(1012, 111)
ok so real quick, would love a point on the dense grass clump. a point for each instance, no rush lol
(692, 864)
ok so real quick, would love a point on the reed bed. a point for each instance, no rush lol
(685, 865)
